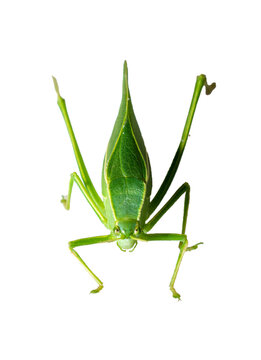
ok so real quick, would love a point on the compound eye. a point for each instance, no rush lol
(137, 230)
(117, 230)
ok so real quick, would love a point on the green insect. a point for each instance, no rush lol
(127, 182)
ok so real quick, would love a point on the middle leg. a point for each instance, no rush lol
(66, 200)
(185, 188)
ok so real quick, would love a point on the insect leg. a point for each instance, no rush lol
(200, 82)
(185, 188)
(67, 199)
(83, 171)
(89, 241)
(176, 237)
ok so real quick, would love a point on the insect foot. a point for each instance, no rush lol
(64, 201)
(95, 291)
(194, 247)
(174, 293)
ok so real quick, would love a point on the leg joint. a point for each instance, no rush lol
(186, 186)
(74, 174)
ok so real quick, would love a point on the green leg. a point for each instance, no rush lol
(185, 188)
(67, 199)
(176, 237)
(201, 81)
(89, 241)
(83, 171)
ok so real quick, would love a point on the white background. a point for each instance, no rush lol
(46, 309)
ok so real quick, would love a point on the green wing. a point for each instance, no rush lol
(126, 180)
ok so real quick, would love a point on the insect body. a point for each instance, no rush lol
(127, 182)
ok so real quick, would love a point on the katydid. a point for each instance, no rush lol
(127, 183)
